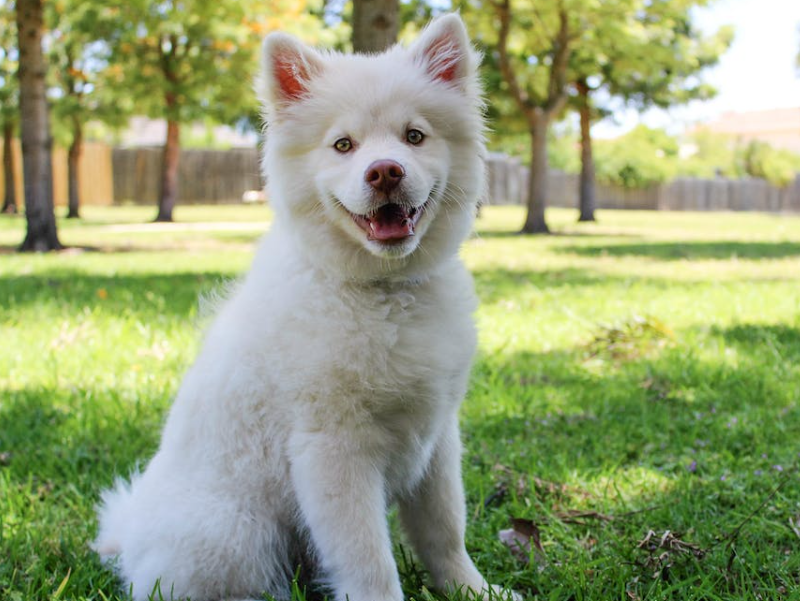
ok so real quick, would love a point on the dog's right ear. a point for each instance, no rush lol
(286, 69)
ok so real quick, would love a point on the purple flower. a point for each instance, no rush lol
(692, 467)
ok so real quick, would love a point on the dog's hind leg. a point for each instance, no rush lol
(191, 540)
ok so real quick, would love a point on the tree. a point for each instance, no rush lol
(659, 61)
(35, 130)
(586, 196)
(585, 60)
(778, 166)
(553, 53)
(645, 157)
(375, 24)
(640, 158)
(648, 54)
(184, 61)
(9, 106)
(709, 155)
(78, 57)
(541, 94)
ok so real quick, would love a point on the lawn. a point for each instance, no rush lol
(635, 404)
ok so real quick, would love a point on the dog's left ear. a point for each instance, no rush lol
(443, 49)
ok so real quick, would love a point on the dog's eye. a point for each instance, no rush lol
(343, 145)
(414, 136)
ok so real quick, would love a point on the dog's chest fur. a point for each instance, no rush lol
(384, 362)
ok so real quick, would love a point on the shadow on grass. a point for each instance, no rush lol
(658, 415)
(71, 436)
(174, 294)
(498, 283)
(178, 293)
(562, 232)
(662, 394)
(677, 439)
(778, 341)
(671, 251)
(215, 240)
(666, 442)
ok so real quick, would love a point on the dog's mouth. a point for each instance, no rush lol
(390, 224)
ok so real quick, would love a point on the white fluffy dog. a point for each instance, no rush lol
(328, 386)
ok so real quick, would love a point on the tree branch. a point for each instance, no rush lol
(557, 84)
(166, 59)
(503, 10)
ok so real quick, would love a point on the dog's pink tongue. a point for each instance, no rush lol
(391, 222)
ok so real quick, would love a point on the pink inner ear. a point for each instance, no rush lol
(290, 77)
(443, 56)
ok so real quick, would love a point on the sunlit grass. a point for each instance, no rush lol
(643, 371)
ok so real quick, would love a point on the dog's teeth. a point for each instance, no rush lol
(372, 225)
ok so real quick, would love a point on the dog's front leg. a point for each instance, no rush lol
(434, 517)
(340, 487)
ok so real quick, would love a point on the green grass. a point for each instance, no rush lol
(643, 372)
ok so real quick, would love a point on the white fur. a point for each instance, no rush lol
(328, 386)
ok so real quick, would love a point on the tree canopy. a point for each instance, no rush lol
(195, 60)
(183, 60)
(9, 100)
(9, 60)
(79, 71)
(542, 56)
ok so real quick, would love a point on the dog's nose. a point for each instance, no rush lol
(384, 175)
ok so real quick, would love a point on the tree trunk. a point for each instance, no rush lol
(35, 131)
(10, 197)
(537, 180)
(587, 196)
(73, 159)
(375, 24)
(169, 172)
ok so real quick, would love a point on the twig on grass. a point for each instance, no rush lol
(730, 538)
(660, 551)
(574, 516)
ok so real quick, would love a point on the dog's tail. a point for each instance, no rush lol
(113, 517)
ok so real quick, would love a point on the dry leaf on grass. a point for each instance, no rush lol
(523, 535)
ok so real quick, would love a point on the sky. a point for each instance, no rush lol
(757, 72)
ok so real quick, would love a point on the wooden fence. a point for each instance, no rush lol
(133, 175)
(94, 175)
(508, 180)
(204, 176)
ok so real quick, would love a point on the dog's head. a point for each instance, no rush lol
(377, 160)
